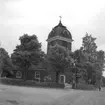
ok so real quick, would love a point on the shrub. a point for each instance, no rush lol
(84, 86)
(29, 83)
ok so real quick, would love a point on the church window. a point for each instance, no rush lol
(64, 43)
(52, 43)
(37, 76)
(69, 46)
(65, 33)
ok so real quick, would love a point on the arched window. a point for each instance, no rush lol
(52, 43)
(64, 43)
(66, 33)
(18, 74)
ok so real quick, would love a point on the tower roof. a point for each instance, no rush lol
(60, 30)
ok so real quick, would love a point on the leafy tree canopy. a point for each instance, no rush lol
(88, 58)
(59, 58)
(89, 44)
(28, 52)
(5, 61)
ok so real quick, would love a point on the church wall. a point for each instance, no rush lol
(53, 76)
(30, 75)
(68, 77)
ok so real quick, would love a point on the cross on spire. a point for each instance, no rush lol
(0, 43)
(60, 18)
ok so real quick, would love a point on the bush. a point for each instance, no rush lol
(84, 86)
(29, 83)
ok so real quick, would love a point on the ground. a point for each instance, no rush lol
(14, 95)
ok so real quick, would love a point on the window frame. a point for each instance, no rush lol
(37, 74)
(37, 79)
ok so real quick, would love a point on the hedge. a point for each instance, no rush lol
(29, 83)
(84, 86)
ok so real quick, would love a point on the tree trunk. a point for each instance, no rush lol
(25, 74)
(57, 76)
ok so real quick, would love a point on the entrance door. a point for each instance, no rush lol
(62, 79)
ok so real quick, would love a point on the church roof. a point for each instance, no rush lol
(60, 30)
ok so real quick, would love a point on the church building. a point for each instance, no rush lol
(59, 36)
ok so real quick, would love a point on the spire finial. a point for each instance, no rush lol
(0, 44)
(60, 18)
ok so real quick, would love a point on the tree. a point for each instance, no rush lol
(90, 48)
(90, 59)
(59, 59)
(101, 59)
(80, 61)
(80, 56)
(99, 65)
(103, 81)
(5, 63)
(89, 44)
(28, 53)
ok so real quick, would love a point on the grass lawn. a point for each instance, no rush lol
(15, 95)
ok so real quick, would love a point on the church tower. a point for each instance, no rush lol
(59, 36)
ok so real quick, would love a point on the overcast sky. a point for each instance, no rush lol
(40, 16)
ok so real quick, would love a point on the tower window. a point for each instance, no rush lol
(64, 43)
(52, 43)
(69, 46)
(65, 33)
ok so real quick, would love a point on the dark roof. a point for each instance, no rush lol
(60, 30)
(32, 67)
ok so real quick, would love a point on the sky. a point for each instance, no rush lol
(38, 17)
